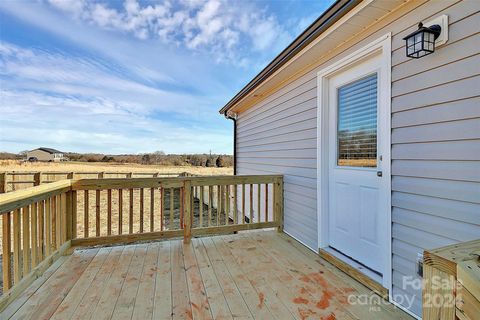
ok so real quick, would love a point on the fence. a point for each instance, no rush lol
(17, 180)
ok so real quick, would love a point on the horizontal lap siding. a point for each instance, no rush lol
(435, 139)
(435, 145)
(279, 136)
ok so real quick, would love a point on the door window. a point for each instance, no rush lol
(357, 123)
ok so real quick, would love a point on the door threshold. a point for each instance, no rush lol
(369, 278)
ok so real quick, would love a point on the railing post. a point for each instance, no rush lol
(278, 204)
(37, 178)
(3, 182)
(187, 207)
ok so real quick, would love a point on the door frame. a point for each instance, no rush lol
(380, 46)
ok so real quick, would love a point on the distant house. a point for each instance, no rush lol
(45, 154)
(380, 152)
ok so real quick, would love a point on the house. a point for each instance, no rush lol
(380, 152)
(45, 154)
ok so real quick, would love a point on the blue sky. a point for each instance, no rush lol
(134, 76)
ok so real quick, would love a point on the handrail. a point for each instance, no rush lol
(170, 182)
(18, 199)
(40, 223)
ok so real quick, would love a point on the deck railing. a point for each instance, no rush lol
(40, 223)
(18, 180)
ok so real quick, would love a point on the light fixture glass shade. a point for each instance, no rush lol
(422, 42)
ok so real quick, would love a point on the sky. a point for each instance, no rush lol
(134, 76)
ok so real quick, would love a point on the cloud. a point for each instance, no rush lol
(221, 27)
(86, 104)
(96, 125)
(61, 74)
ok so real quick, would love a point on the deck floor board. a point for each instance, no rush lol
(250, 275)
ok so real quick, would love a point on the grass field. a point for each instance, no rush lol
(13, 165)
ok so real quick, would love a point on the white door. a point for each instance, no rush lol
(355, 168)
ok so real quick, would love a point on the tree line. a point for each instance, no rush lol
(154, 158)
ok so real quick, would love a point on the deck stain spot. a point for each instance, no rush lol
(300, 300)
(331, 316)
(261, 299)
(189, 314)
(325, 301)
(305, 313)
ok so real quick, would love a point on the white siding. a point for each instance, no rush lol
(436, 145)
(435, 139)
(279, 136)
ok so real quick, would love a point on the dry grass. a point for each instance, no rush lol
(357, 162)
(13, 165)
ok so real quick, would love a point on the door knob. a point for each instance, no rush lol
(379, 173)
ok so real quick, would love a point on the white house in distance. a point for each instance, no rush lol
(374, 122)
(45, 154)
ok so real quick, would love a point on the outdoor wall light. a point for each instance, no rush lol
(422, 42)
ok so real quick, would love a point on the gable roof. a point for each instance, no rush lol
(328, 18)
(49, 150)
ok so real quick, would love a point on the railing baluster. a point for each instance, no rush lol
(6, 249)
(210, 204)
(227, 204)
(109, 211)
(97, 212)
(266, 201)
(181, 194)
(48, 226)
(259, 199)
(219, 203)
(152, 209)
(235, 204)
(74, 214)
(58, 220)
(130, 212)
(17, 269)
(66, 216)
(26, 239)
(162, 207)
(85, 215)
(243, 203)
(120, 211)
(41, 233)
(141, 210)
(170, 225)
(251, 204)
(200, 208)
(53, 214)
(33, 228)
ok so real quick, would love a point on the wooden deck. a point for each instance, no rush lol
(251, 275)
